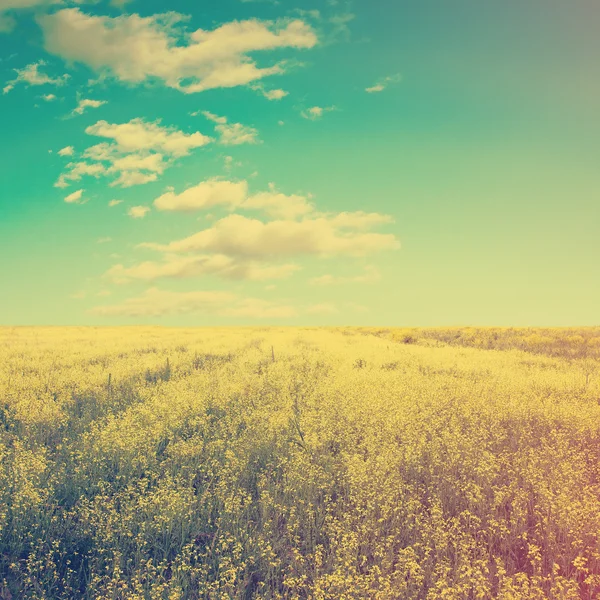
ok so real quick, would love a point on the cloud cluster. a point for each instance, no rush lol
(238, 247)
(138, 152)
(234, 195)
(32, 75)
(231, 134)
(240, 236)
(134, 49)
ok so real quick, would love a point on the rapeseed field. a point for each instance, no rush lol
(321, 463)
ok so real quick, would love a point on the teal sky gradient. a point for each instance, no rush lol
(485, 153)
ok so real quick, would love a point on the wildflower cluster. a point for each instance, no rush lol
(152, 463)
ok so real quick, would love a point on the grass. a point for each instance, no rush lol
(299, 463)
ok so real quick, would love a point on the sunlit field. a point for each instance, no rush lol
(155, 463)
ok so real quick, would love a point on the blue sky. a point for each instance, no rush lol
(310, 162)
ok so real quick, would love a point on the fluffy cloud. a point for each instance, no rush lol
(275, 94)
(278, 205)
(316, 112)
(112, 203)
(77, 171)
(66, 151)
(87, 103)
(182, 267)
(139, 151)
(31, 75)
(240, 248)
(232, 134)
(135, 48)
(49, 97)
(138, 212)
(139, 136)
(382, 84)
(240, 236)
(155, 303)
(204, 195)
(231, 196)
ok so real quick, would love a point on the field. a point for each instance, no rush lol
(299, 463)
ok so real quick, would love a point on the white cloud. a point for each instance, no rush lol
(276, 94)
(75, 197)
(232, 195)
(66, 151)
(49, 97)
(383, 84)
(155, 303)
(138, 212)
(278, 205)
(31, 75)
(131, 178)
(112, 203)
(138, 135)
(211, 117)
(77, 171)
(135, 48)
(183, 267)
(204, 195)
(237, 235)
(232, 134)
(235, 134)
(139, 151)
(316, 112)
(370, 275)
(87, 103)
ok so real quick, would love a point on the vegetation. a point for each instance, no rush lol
(150, 463)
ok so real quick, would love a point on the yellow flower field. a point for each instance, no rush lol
(155, 463)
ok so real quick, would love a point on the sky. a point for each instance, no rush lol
(300, 162)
